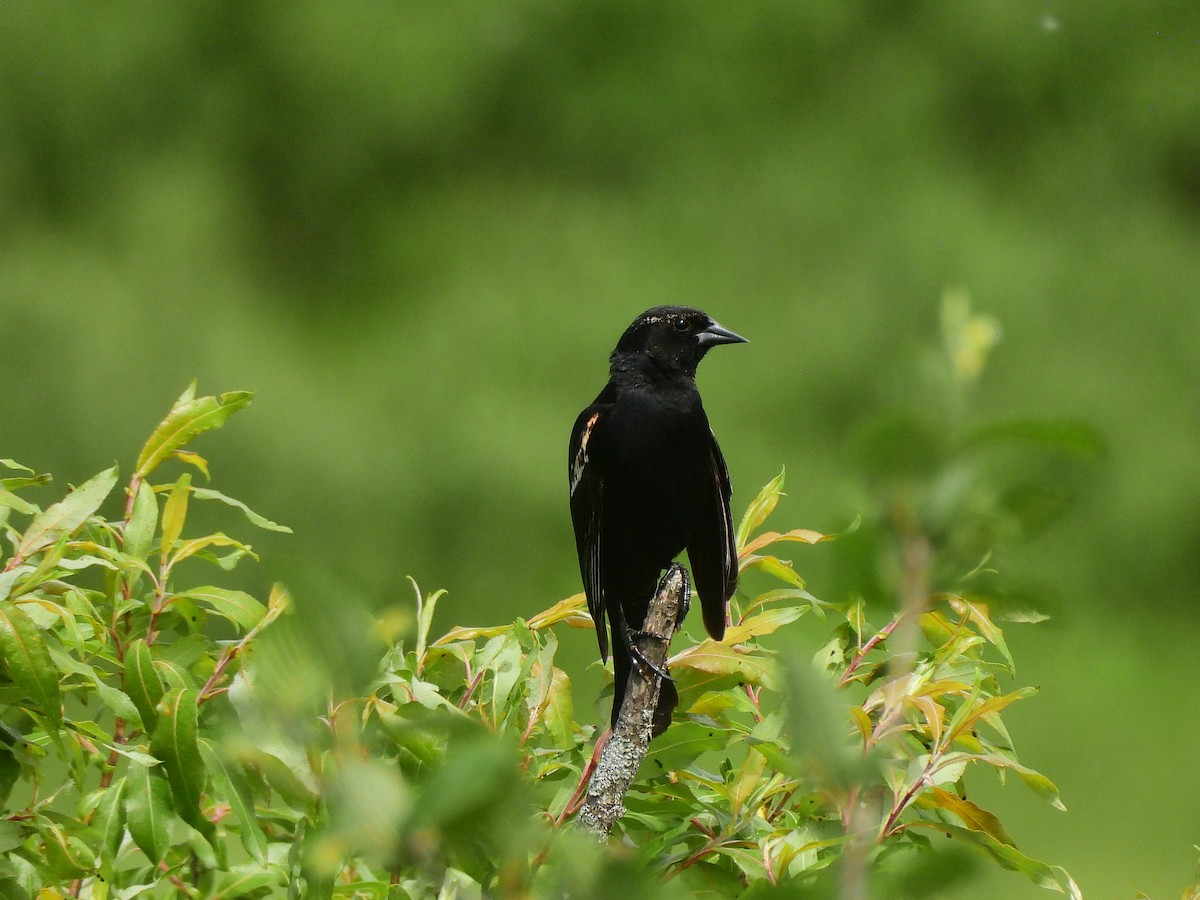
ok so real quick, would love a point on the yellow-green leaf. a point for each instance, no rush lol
(773, 565)
(236, 606)
(67, 514)
(558, 712)
(986, 708)
(572, 611)
(1009, 857)
(1034, 780)
(760, 507)
(144, 517)
(722, 659)
(192, 458)
(188, 418)
(796, 535)
(971, 815)
(763, 623)
(255, 519)
(175, 513)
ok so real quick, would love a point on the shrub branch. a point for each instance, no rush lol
(626, 748)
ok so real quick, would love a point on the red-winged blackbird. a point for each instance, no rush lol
(647, 481)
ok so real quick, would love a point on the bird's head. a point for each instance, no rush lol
(674, 337)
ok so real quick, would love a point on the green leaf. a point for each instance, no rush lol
(282, 779)
(722, 659)
(188, 418)
(140, 531)
(196, 545)
(148, 812)
(192, 458)
(236, 606)
(962, 722)
(174, 514)
(1009, 857)
(776, 567)
(175, 743)
(972, 816)
(12, 834)
(763, 623)
(760, 507)
(230, 785)
(28, 664)
(19, 504)
(425, 610)
(248, 879)
(69, 857)
(1034, 780)
(255, 518)
(558, 710)
(142, 683)
(682, 744)
(67, 514)
(110, 821)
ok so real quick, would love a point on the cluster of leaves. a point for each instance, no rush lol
(111, 657)
(161, 738)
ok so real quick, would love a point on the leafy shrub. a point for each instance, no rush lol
(162, 734)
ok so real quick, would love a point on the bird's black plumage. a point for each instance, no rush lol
(648, 481)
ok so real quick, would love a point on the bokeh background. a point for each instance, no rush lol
(416, 230)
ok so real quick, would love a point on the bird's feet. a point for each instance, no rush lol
(640, 658)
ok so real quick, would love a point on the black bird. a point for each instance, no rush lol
(647, 481)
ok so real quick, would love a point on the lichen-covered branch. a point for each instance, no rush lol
(626, 748)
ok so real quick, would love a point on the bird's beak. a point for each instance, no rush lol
(717, 334)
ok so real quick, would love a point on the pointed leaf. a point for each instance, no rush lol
(796, 535)
(196, 545)
(192, 458)
(255, 518)
(971, 815)
(174, 514)
(188, 418)
(230, 785)
(760, 507)
(773, 565)
(1034, 780)
(558, 712)
(573, 611)
(722, 659)
(148, 812)
(67, 514)
(110, 820)
(28, 663)
(140, 531)
(961, 723)
(19, 504)
(236, 606)
(142, 683)
(763, 623)
(174, 742)
(1008, 857)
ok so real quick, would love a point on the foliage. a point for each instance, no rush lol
(163, 735)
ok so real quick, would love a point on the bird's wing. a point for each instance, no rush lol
(587, 488)
(712, 550)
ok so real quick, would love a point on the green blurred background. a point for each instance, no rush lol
(416, 230)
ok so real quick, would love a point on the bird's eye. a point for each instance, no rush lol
(679, 324)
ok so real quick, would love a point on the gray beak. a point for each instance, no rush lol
(717, 334)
